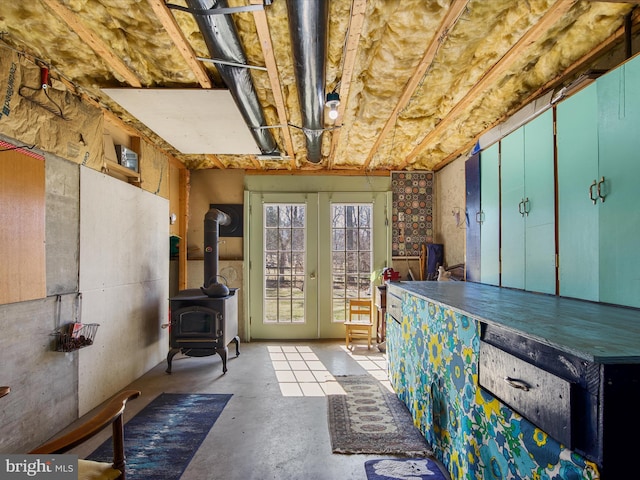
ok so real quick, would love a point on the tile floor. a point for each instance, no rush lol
(275, 425)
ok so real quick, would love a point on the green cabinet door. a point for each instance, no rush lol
(619, 161)
(578, 238)
(528, 207)
(490, 215)
(512, 209)
(539, 205)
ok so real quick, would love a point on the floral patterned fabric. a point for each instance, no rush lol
(433, 366)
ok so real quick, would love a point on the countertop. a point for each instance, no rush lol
(593, 331)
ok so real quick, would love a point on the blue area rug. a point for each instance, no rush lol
(161, 440)
(403, 469)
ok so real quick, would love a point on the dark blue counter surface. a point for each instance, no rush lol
(595, 332)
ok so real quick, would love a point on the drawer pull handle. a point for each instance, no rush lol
(519, 384)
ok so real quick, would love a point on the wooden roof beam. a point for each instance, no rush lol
(97, 45)
(570, 71)
(262, 28)
(560, 8)
(448, 22)
(215, 160)
(173, 29)
(356, 22)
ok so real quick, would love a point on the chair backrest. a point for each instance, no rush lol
(109, 415)
(360, 310)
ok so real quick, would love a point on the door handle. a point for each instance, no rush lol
(479, 216)
(600, 195)
(526, 206)
(521, 208)
(593, 199)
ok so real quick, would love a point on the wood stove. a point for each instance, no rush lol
(204, 321)
(202, 326)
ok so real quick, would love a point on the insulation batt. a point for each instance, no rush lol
(395, 36)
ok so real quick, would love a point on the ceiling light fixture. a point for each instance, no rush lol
(333, 101)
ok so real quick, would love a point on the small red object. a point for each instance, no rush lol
(389, 274)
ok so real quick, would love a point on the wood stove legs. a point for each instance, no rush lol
(223, 352)
(190, 352)
(170, 355)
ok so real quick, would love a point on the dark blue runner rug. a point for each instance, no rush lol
(161, 440)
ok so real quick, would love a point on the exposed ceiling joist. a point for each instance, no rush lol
(450, 19)
(529, 38)
(256, 163)
(569, 72)
(262, 28)
(91, 39)
(409, 74)
(171, 26)
(216, 161)
(356, 22)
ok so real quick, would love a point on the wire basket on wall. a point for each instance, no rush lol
(73, 336)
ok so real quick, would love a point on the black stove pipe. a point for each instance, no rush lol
(212, 221)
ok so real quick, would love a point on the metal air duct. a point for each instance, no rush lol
(308, 26)
(222, 40)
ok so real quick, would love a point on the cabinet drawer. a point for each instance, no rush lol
(541, 397)
(394, 306)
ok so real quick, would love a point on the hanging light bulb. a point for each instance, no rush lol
(333, 101)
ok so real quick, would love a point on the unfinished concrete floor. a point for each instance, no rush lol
(275, 425)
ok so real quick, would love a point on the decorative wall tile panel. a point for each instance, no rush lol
(412, 212)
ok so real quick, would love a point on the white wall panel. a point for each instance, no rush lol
(124, 282)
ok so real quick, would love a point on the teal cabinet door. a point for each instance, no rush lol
(490, 215)
(528, 207)
(619, 181)
(539, 205)
(512, 209)
(578, 237)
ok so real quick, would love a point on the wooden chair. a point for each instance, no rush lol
(111, 414)
(360, 323)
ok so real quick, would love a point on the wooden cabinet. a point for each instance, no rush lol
(528, 206)
(598, 184)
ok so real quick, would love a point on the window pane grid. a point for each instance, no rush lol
(284, 263)
(351, 255)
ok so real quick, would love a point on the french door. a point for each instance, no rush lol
(308, 253)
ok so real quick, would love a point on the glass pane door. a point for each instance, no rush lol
(282, 288)
(284, 262)
(351, 256)
(308, 253)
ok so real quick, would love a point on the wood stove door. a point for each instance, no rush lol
(282, 237)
